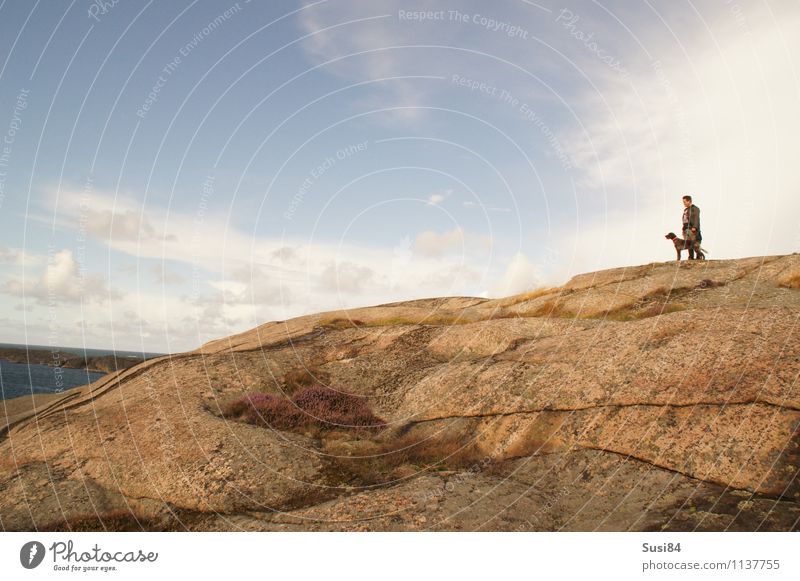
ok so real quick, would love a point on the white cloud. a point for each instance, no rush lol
(242, 280)
(430, 243)
(521, 275)
(215, 246)
(111, 217)
(18, 257)
(450, 278)
(434, 244)
(248, 286)
(471, 204)
(61, 281)
(125, 225)
(718, 120)
(284, 254)
(437, 198)
(345, 277)
(375, 58)
(164, 275)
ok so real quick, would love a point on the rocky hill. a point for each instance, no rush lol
(58, 358)
(658, 397)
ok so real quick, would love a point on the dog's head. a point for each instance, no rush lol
(670, 236)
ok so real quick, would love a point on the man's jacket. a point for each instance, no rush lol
(691, 218)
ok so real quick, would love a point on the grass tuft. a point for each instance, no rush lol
(550, 308)
(302, 377)
(380, 465)
(341, 323)
(790, 280)
(528, 296)
(652, 309)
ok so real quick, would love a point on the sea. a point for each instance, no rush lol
(20, 379)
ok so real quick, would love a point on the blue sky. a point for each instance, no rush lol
(175, 172)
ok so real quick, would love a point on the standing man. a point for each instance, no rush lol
(691, 225)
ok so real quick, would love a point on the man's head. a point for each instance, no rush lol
(687, 201)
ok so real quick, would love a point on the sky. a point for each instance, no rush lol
(176, 172)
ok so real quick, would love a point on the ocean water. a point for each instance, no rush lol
(19, 379)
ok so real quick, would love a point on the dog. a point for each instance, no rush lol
(693, 246)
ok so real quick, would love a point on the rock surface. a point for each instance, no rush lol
(659, 397)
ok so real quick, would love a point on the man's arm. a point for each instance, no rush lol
(694, 218)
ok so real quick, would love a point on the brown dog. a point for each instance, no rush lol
(693, 246)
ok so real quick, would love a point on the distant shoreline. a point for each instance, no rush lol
(57, 357)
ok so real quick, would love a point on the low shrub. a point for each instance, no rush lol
(316, 406)
(335, 409)
(237, 407)
(269, 410)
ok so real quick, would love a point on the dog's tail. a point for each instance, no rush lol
(704, 251)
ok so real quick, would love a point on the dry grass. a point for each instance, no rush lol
(317, 408)
(434, 319)
(504, 314)
(383, 461)
(440, 319)
(660, 337)
(113, 521)
(528, 296)
(550, 308)
(340, 323)
(652, 310)
(303, 377)
(654, 303)
(790, 279)
(657, 293)
(444, 450)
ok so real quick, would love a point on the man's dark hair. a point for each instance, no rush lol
(687, 198)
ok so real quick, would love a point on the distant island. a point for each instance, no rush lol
(59, 358)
